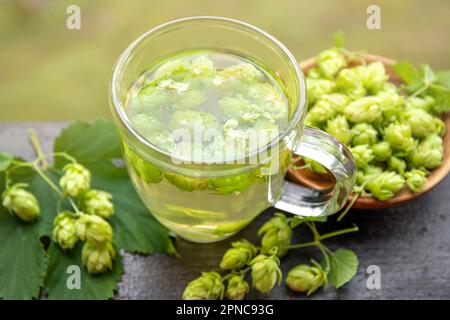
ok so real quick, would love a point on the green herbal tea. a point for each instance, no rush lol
(206, 107)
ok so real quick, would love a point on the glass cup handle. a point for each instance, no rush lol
(333, 155)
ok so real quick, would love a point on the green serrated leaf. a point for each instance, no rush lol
(88, 142)
(5, 161)
(91, 286)
(444, 77)
(297, 220)
(343, 267)
(22, 257)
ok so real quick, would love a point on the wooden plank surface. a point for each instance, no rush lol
(410, 243)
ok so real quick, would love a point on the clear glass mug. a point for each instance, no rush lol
(206, 202)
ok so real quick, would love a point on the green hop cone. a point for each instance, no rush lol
(397, 164)
(320, 113)
(363, 155)
(65, 230)
(98, 259)
(373, 76)
(339, 128)
(265, 272)
(399, 136)
(367, 173)
(415, 179)
(76, 179)
(241, 253)
(186, 183)
(317, 88)
(382, 151)
(276, 235)
(190, 119)
(421, 123)
(349, 82)
(366, 109)
(208, 286)
(94, 229)
(241, 72)
(145, 170)
(385, 185)
(337, 100)
(98, 202)
(391, 103)
(330, 61)
(305, 278)
(16, 199)
(428, 154)
(364, 133)
(233, 184)
(237, 288)
(314, 166)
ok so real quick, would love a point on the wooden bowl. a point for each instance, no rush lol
(325, 181)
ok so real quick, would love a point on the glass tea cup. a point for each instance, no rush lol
(209, 201)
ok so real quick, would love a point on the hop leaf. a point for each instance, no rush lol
(16, 199)
(385, 185)
(208, 286)
(241, 253)
(76, 179)
(94, 229)
(237, 288)
(98, 259)
(415, 179)
(65, 230)
(305, 278)
(265, 272)
(98, 202)
(276, 235)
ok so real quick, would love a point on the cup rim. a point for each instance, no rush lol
(123, 58)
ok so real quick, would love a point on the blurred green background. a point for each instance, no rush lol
(48, 72)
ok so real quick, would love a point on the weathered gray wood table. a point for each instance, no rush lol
(410, 244)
